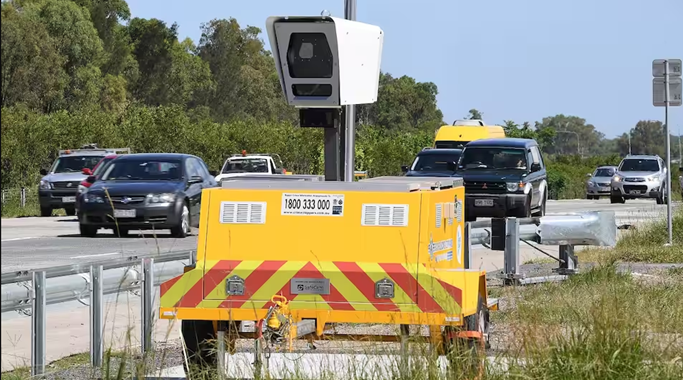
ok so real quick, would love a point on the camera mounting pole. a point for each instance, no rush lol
(347, 130)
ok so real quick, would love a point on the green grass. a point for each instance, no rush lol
(11, 208)
(644, 244)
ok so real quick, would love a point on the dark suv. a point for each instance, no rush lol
(432, 162)
(503, 177)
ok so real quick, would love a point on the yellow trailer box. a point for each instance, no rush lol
(380, 250)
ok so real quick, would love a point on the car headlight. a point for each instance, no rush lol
(616, 179)
(652, 179)
(45, 185)
(93, 198)
(518, 186)
(161, 198)
(591, 184)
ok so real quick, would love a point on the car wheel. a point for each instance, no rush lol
(121, 232)
(541, 209)
(183, 228)
(87, 231)
(70, 211)
(46, 211)
(616, 199)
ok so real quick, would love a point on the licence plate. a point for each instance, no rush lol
(124, 213)
(68, 199)
(483, 202)
(634, 192)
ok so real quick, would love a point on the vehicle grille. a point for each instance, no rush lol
(629, 188)
(635, 179)
(128, 199)
(66, 185)
(603, 184)
(485, 187)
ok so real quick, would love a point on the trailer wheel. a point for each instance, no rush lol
(466, 354)
(199, 344)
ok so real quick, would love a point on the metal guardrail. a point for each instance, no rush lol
(37, 289)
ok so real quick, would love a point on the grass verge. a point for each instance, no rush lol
(643, 245)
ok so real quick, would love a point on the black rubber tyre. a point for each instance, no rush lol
(465, 356)
(46, 211)
(70, 211)
(616, 199)
(87, 231)
(183, 228)
(199, 341)
(122, 232)
(541, 211)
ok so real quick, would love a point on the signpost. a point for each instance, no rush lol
(666, 92)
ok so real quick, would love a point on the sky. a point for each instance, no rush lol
(518, 60)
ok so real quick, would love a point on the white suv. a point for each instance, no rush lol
(639, 176)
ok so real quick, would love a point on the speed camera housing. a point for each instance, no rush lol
(326, 62)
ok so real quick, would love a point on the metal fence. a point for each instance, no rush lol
(33, 290)
(17, 196)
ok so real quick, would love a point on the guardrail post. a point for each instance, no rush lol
(193, 258)
(23, 197)
(220, 353)
(96, 316)
(38, 325)
(147, 296)
(569, 262)
(511, 255)
(468, 246)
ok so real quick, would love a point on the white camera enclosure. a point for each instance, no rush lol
(326, 62)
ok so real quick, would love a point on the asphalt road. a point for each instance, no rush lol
(33, 243)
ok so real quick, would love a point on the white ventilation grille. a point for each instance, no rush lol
(243, 212)
(384, 215)
(439, 215)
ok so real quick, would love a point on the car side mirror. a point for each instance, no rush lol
(404, 168)
(195, 179)
(589, 175)
(213, 172)
(91, 179)
(535, 167)
(87, 171)
(43, 172)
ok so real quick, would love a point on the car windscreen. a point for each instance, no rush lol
(246, 165)
(143, 170)
(435, 162)
(74, 164)
(450, 144)
(478, 158)
(604, 172)
(634, 165)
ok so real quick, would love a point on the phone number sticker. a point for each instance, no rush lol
(313, 204)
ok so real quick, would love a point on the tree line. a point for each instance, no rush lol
(83, 71)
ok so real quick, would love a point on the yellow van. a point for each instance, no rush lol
(463, 131)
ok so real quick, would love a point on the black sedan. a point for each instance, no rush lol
(146, 191)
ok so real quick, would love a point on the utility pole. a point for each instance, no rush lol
(348, 136)
(629, 142)
(667, 82)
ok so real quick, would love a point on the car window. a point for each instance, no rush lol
(248, 165)
(74, 164)
(101, 166)
(434, 162)
(604, 172)
(639, 165)
(203, 168)
(143, 170)
(478, 158)
(192, 168)
(536, 154)
(450, 144)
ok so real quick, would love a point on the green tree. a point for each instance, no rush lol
(474, 114)
(571, 135)
(403, 104)
(32, 68)
(647, 137)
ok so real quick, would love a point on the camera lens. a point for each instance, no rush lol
(309, 56)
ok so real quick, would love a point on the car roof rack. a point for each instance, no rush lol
(92, 149)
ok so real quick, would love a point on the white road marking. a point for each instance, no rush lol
(19, 238)
(96, 255)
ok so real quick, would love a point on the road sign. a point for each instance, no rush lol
(675, 68)
(675, 96)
